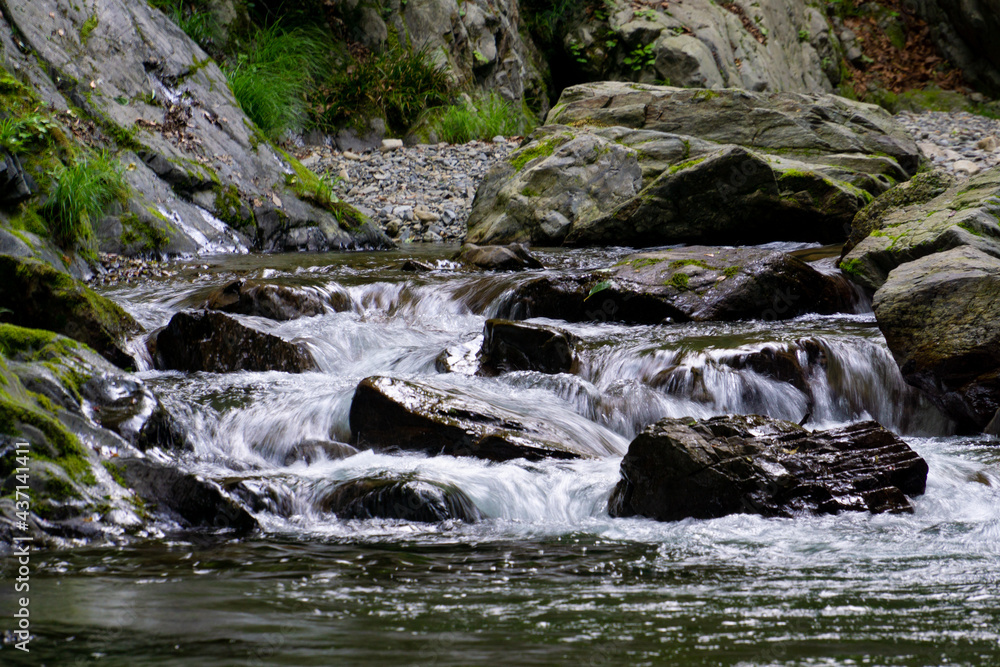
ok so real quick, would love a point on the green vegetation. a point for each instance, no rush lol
(396, 84)
(679, 280)
(852, 266)
(482, 117)
(87, 28)
(679, 263)
(641, 57)
(82, 193)
(543, 148)
(191, 17)
(272, 74)
(20, 133)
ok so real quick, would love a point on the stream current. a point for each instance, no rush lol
(547, 577)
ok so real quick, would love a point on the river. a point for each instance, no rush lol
(547, 577)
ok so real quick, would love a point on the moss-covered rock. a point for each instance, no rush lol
(35, 295)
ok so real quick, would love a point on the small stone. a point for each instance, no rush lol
(426, 215)
(392, 228)
(348, 155)
(966, 168)
(391, 145)
(344, 176)
(988, 144)
(310, 160)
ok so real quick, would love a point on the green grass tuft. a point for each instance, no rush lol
(485, 117)
(81, 194)
(396, 84)
(272, 74)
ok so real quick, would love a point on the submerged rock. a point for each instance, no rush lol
(389, 414)
(696, 283)
(680, 468)
(405, 499)
(276, 302)
(311, 451)
(939, 317)
(217, 343)
(513, 257)
(35, 295)
(183, 497)
(124, 405)
(520, 346)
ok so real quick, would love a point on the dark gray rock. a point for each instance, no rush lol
(404, 499)
(938, 315)
(681, 468)
(513, 257)
(276, 302)
(16, 185)
(217, 343)
(311, 451)
(695, 283)
(520, 346)
(389, 414)
(184, 497)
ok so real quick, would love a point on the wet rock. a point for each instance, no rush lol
(513, 257)
(520, 346)
(415, 266)
(183, 497)
(680, 468)
(695, 283)
(938, 315)
(966, 214)
(405, 499)
(217, 343)
(37, 296)
(124, 405)
(276, 302)
(311, 451)
(389, 414)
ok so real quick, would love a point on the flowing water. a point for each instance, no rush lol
(547, 577)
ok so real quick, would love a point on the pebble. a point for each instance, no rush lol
(961, 143)
(117, 270)
(415, 193)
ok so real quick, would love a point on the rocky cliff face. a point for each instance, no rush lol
(480, 43)
(965, 31)
(120, 74)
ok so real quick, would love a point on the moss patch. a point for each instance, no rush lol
(543, 148)
(679, 280)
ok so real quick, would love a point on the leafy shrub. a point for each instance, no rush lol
(272, 74)
(81, 194)
(18, 133)
(396, 84)
(486, 117)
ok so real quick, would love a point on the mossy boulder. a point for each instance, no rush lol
(698, 283)
(640, 165)
(276, 302)
(920, 189)
(78, 414)
(966, 214)
(35, 295)
(939, 317)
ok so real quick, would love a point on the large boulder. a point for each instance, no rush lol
(37, 296)
(966, 214)
(939, 317)
(391, 414)
(653, 165)
(680, 468)
(695, 283)
(404, 499)
(202, 176)
(217, 343)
